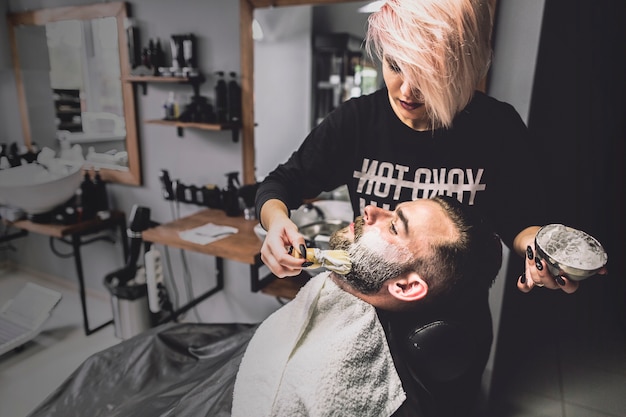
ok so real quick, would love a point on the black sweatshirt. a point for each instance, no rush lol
(487, 159)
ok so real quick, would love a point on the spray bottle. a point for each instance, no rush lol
(231, 195)
(221, 98)
(86, 197)
(234, 99)
(101, 195)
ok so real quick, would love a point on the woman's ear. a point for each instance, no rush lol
(409, 287)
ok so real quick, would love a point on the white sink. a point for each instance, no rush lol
(32, 188)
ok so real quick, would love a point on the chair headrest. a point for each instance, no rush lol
(440, 349)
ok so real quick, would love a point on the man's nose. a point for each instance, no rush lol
(371, 214)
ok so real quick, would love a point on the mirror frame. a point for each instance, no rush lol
(246, 10)
(118, 10)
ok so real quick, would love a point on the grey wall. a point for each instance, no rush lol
(282, 77)
(204, 157)
(516, 41)
(199, 157)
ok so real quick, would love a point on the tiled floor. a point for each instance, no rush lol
(574, 365)
(562, 355)
(29, 376)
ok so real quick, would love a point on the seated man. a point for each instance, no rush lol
(353, 345)
(372, 342)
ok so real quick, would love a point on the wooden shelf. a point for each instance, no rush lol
(159, 79)
(204, 126)
(143, 80)
(195, 82)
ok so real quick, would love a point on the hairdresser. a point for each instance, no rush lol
(426, 132)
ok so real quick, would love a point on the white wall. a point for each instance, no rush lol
(282, 84)
(517, 35)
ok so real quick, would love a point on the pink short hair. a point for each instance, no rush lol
(442, 47)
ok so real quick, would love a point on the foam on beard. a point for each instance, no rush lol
(372, 241)
(374, 260)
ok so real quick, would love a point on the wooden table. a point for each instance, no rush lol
(76, 232)
(243, 246)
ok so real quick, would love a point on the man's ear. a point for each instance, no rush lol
(409, 287)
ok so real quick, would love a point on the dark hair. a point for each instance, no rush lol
(470, 262)
(467, 263)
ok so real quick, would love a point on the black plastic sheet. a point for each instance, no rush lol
(172, 370)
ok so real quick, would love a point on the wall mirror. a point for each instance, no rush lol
(70, 64)
(247, 16)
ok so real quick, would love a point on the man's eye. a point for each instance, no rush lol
(392, 228)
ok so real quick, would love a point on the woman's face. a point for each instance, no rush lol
(409, 107)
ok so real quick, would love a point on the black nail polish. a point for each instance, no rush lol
(559, 280)
(538, 264)
(307, 264)
(522, 278)
(529, 252)
(303, 251)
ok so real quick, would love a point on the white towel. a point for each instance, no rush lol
(323, 354)
(207, 233)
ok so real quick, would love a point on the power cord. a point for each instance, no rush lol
(187, 279)
(170, 272)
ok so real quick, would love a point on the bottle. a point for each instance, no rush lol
(87, 207)
(4, 159)
(231, 195)
(13, 155)
(145, 58)
(157, 58)
(172, 106)
(234, 99)
(221, 98)
(166, 110)
(150, 54)
(100, 193)
(66, 150)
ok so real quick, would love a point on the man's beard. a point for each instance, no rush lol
(370, 267)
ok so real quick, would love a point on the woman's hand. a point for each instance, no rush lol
(536, 273)
(282, 233)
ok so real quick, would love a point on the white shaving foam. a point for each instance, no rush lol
(571, 247)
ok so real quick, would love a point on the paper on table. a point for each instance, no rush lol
(207, 233)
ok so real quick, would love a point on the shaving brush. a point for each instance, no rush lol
(337, 261)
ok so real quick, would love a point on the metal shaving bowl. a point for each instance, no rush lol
(318, 233)
(569, 252)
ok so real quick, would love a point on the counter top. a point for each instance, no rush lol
(243, 246)
(58, 230)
